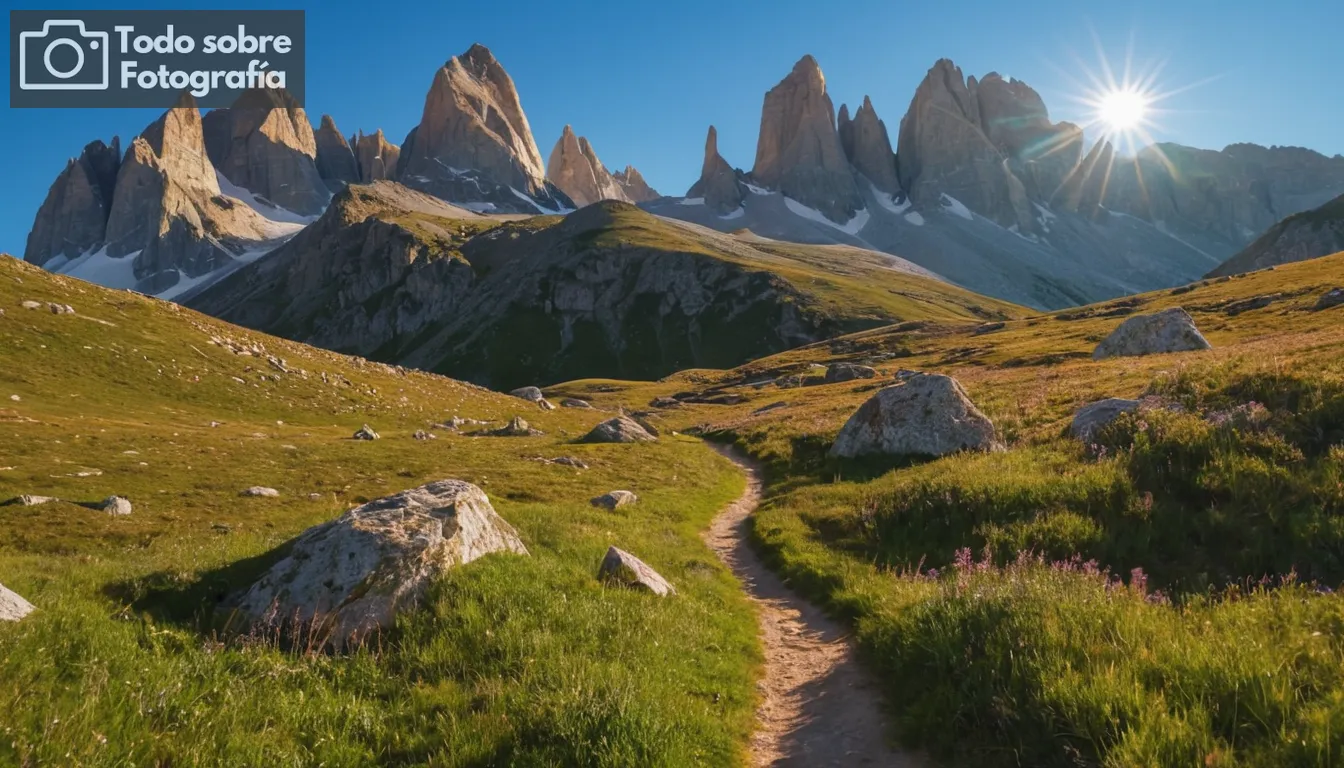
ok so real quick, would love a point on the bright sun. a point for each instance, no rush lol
(1123, 110)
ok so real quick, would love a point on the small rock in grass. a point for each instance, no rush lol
(366, 433)
(838, 372)
(1091, 418)
(574, 402)
(15, 398)
(665, 402)
(614, 499)
(116, 505)
(621, 567)
(30, 500)
(530, 394)
(421, 434)
(60, 309)
(13, 607)
(517, 427)
(570, 461)
(1331, 298)
(32, 305)
(314, 497)
(259, 490)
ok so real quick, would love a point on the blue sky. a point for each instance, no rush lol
(644, 80)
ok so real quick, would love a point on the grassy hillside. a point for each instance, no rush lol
(1161, 597)
(515, 661)
(609, 290)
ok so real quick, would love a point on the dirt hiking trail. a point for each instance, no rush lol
(818, 707)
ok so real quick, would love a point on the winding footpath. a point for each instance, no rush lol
(818, 707)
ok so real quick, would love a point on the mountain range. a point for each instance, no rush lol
(446, 250)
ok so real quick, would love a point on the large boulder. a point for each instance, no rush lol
(530, 394)
(799, 151)
(1171, 330)
(614, 499)
(621, 429)
(928, 415)
(1091, 418)
(624, 569)
(13, 607)
(351, 576)
(117, 506)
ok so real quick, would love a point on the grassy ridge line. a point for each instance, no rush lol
(515, 660)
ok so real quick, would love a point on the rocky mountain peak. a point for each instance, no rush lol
(376, 157)
(335, 159)
(473, 133)
(632, 183)
(575, 169)
(799, 152)
(943, 150)
(265, 144)
(73, 217)
(867, 145)
(718, 183)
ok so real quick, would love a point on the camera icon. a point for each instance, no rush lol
(45, 58)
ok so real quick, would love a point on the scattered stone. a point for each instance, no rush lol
(792, 381)
(570, 461)
(314, 496)
(259, 490)
(1255, 302)
(530, 394)
(366, 433)
(116, 505)
(13, 607)
(574, 402)
(665, 402)
(989, 328)
(517, 427)
(421, 434)
(621, 429)
(351, 576)
(29, 500)
(928, 415)
(60, 309)
(621, 567)
(1092, 417)
(32, 305)
(614, 499)
(905, 374)
(1331, 298)
(15, 398)
(838, 372)
(1171, 330)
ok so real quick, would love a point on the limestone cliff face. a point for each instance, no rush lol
(1307, 235)
(265, 144)
(376, 157)
(718, 184)
(73, 217)
(943, 150)
(868, 146)
(1041, 154)
(335, 159)
(473, 143)
(799, 152)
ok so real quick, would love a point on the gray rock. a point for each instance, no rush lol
(60, 309)
(29, 500)
(421, 434)
(905, 374)
(366, 433)
(838, 372)
(259, 490)
(614, 499)
(621, 429)
(665, 402)
(530, 394)
(517, 427)
(622, 568)
(574, 402)
(32, 304)
(1171, 330)
(351, 576)
(1331, 298)
(792, 381)
(929, 415)
(1093, 416)
(570, 461)
(13, 607)
(116, 505)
